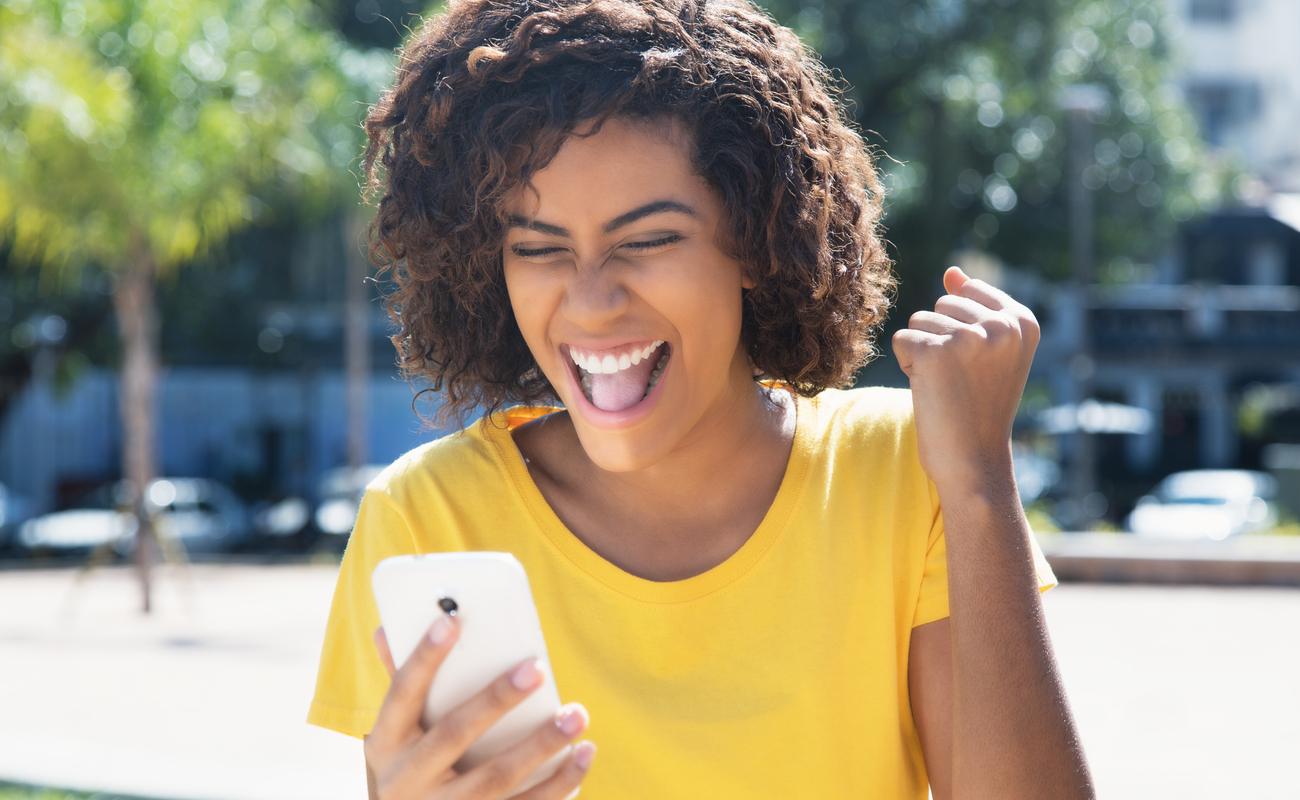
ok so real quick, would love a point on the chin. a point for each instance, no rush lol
(621, 451)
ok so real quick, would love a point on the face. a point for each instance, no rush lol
(615, 263)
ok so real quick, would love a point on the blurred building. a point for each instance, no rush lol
(1223, 316)
(1239, 68)
(253, 385)
(263, 432)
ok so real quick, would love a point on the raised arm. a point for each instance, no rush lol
(1011, 733)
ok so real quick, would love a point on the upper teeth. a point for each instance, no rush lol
(608, 364)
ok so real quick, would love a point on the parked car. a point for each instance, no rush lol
(202, 514)
(338, 496)
(1206, 504)
(282, 522)
(1034, 474)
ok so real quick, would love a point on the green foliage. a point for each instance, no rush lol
(963, 96)
(17, 791)
(176, 123)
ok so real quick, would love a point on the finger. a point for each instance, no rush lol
(964, 309)
(385, 655)
(935, 323)
(503, 774)
(452, 734)
(953, 278)
(988, 294)
(399, 716)
(909, 345)
(563, 785)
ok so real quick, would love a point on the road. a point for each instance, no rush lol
(1178, 692)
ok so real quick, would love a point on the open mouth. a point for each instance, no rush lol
(616, 383)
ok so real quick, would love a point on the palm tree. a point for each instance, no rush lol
(136, 135)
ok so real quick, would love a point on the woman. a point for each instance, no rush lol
(655, 213)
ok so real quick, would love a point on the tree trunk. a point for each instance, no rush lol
(357, 338)
(137, 322)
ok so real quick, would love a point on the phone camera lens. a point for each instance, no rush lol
(448, 605)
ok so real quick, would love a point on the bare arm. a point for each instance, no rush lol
(1012, 732)
(1011, 735)
(929, 679)
(371, 788)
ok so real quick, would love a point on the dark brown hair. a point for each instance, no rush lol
(486, 93)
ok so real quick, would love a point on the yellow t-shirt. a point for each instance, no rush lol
(779, 673)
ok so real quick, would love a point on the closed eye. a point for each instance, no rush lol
(669, 239)
(526, 252)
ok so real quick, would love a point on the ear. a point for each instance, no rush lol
(746, 279)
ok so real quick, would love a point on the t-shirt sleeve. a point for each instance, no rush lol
(351, 681)
(932, 605)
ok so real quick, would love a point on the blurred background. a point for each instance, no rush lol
(196, 380)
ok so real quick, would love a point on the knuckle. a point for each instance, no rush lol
(502, 693)
(496, 776)
(405, 682)
(452, 731)
(1004, 328)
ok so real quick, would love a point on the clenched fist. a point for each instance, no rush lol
(967, 362)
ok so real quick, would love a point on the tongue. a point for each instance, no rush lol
(624, 388)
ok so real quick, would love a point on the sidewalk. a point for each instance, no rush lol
(206, 699)
(1186, 692)
(1247, 560)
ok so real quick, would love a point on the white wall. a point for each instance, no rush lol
(1261, 44)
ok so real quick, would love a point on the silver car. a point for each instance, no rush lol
(1206, 504)
(339, 496)
(202, 514)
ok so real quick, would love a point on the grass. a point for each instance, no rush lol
(1290, 528)
(19, 791)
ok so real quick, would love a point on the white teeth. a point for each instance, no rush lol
(609, 364)
(585, 377)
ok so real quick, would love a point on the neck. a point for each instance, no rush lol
(752, 420)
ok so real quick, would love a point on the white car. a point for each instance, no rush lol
(1205, 504)
(203, 514)
(339, 496)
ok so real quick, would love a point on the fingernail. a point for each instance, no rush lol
(571, 719)
(526, 675)
(440, 630)
(583, 753)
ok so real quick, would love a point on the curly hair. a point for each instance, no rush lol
(485, 95)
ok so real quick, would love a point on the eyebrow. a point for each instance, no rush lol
(654, 207)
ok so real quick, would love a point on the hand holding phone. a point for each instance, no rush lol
(448, 725)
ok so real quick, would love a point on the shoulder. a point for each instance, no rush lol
(871, 430)
(866, 412)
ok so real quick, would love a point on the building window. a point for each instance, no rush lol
(1222, 105)
(1213, 11)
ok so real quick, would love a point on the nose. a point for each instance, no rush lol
(595, 296)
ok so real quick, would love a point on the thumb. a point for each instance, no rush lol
(953, 279)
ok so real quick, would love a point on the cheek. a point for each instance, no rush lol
(527, 301)
(705, 304)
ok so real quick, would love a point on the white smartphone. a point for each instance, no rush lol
(488, 592)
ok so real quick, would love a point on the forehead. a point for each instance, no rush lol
(625, 163)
